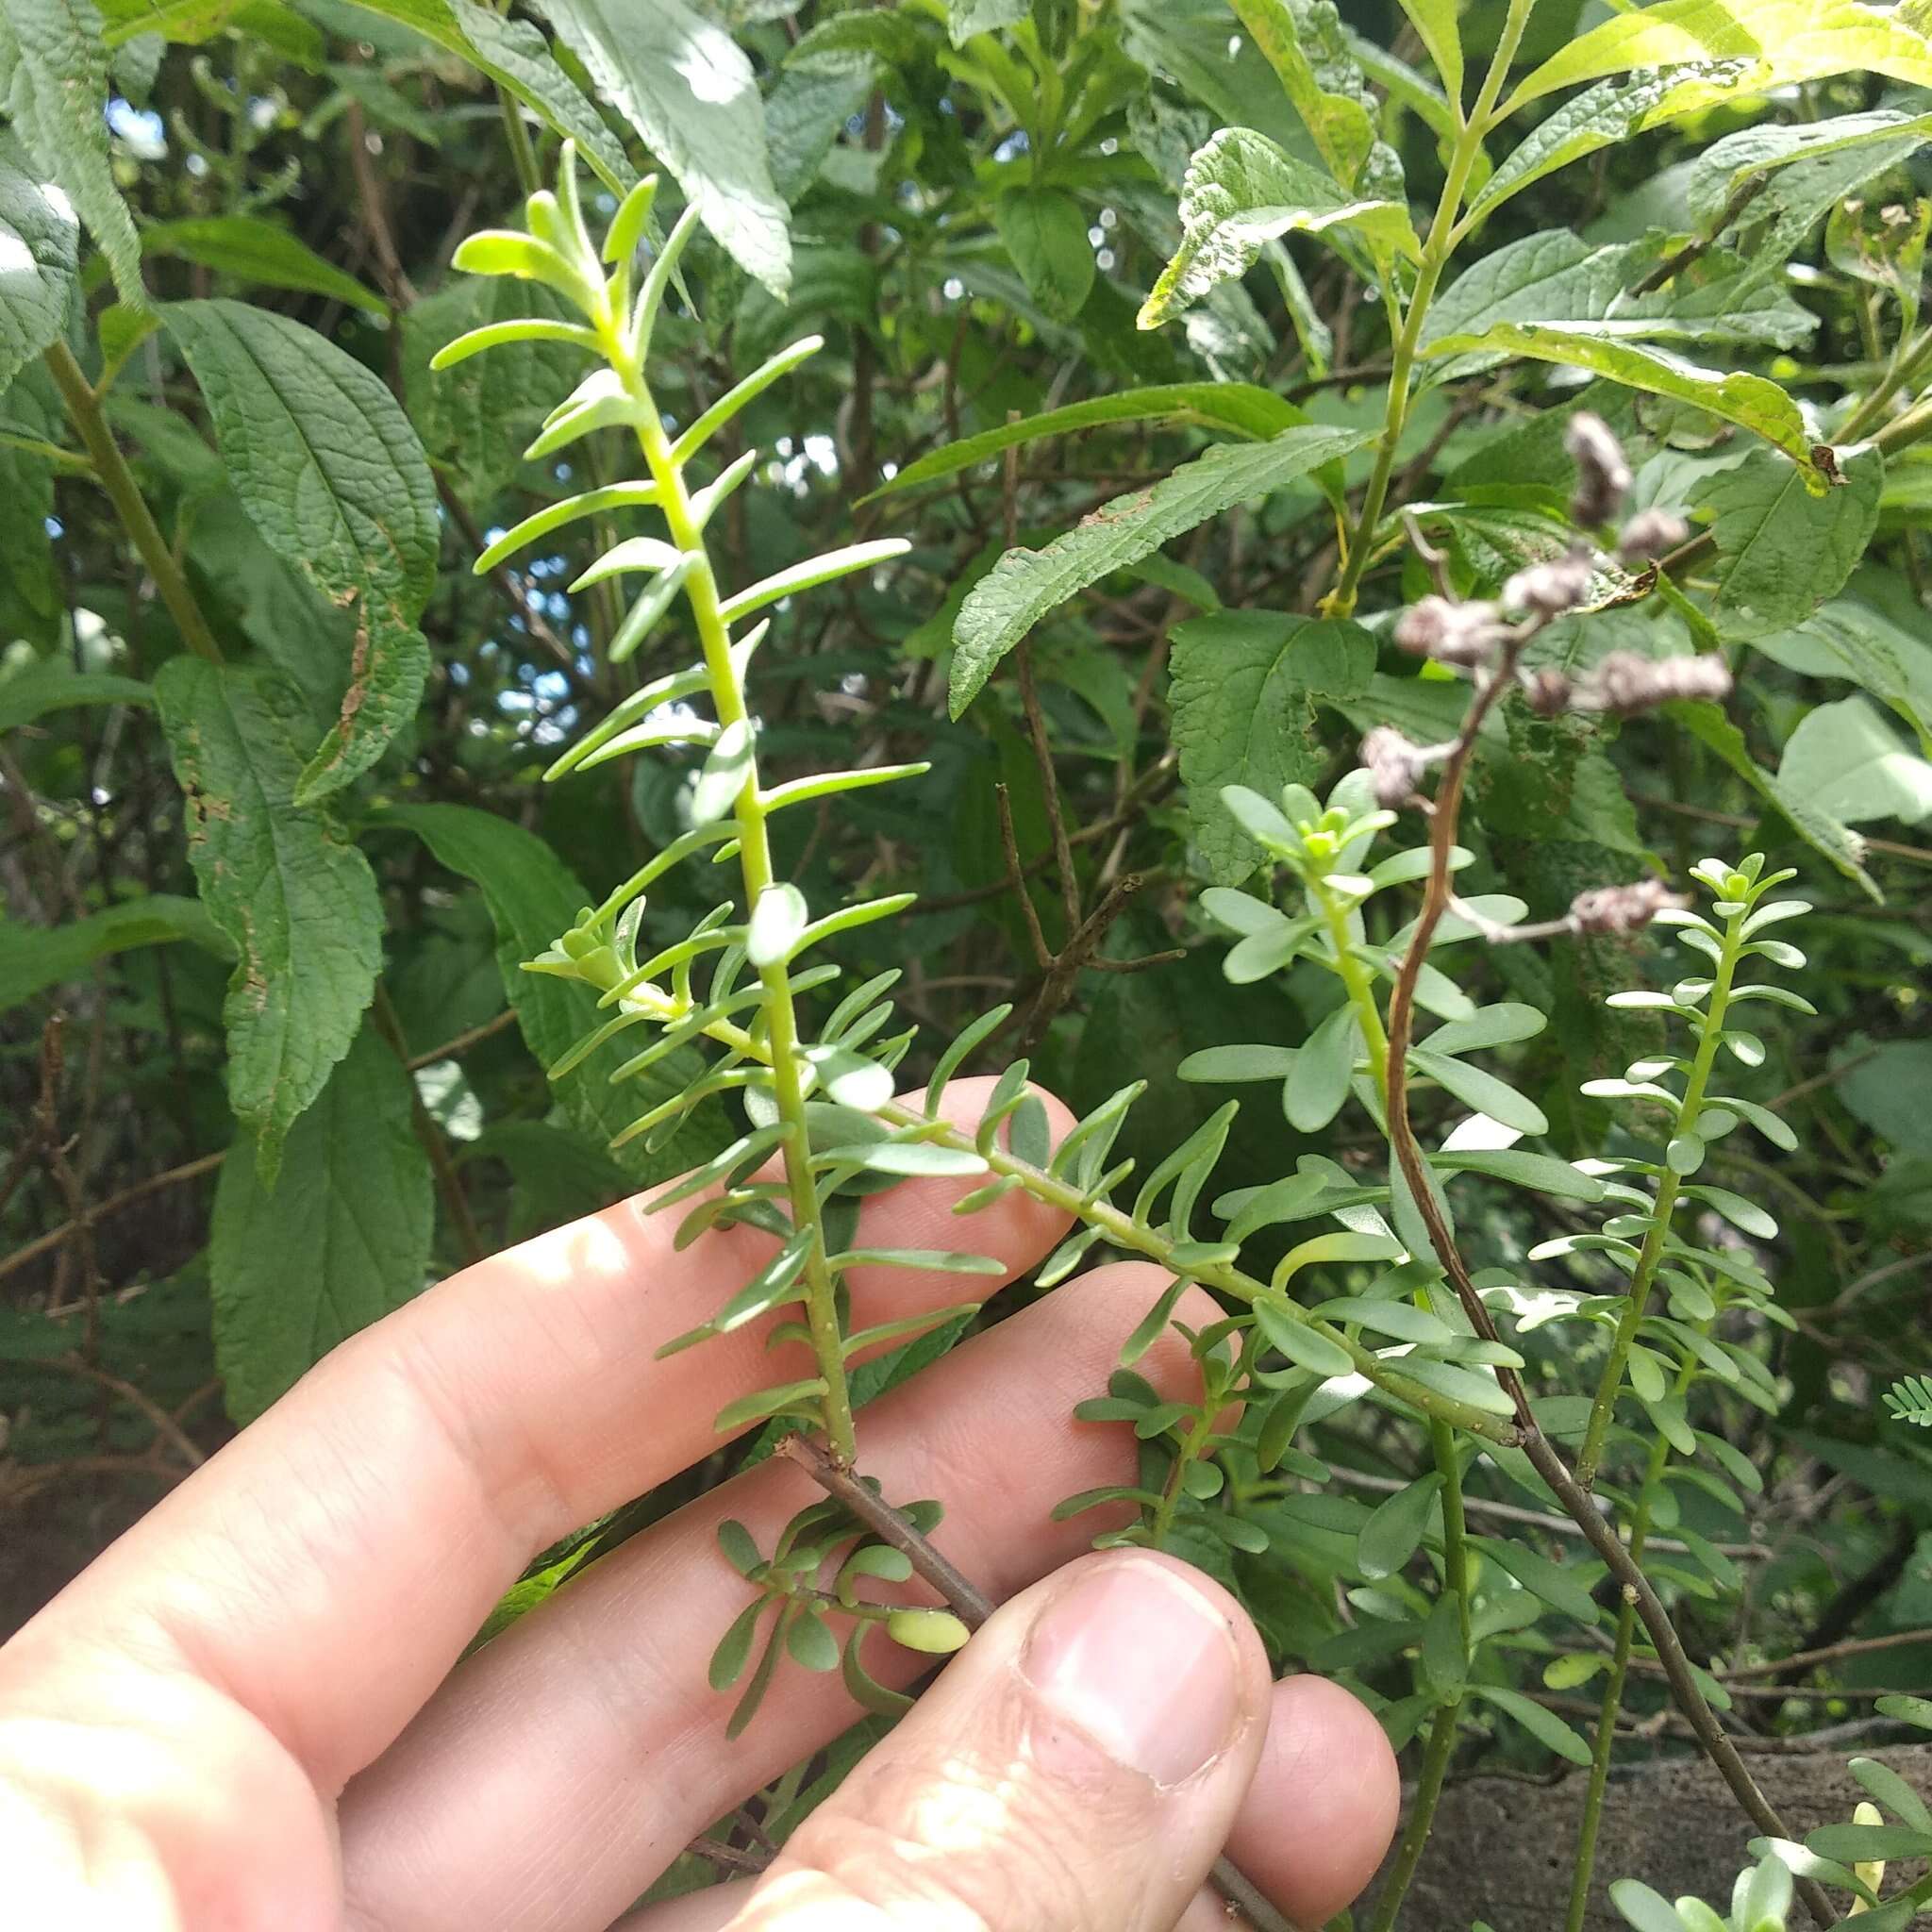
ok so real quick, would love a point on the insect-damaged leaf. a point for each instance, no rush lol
(333, 477)
(283, 883)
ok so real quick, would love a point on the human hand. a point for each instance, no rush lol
(244, 1714)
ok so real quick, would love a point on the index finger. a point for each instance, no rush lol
(326, 1569)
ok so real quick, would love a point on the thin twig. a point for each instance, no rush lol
(1715, 1741)
(463, 1042)
(973, 1606)
(166, 1427)
(966, 1600)
(1543, 1453)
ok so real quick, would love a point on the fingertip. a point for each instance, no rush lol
(1324, 1803)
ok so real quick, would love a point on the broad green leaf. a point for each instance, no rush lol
(532, 897)
(1847, 762)
(1025, 585)
(1844, 639)
(688, 90)
(35, 956)
(1752, 401)
(1044, 232)
(1245, 689)
(38, 238)
(1775, 42)
(54, 86)
(331, 473)
(52, 685)
(281, 880)
(1241, 407)
(255, 251)
(1781, 548)
(1242, 191)
(517, 56)
(298, 1265)
(1557, 279)
(1828, 835)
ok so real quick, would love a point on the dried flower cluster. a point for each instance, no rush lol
(1604, 910)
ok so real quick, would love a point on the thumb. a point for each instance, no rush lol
(1076, 1769)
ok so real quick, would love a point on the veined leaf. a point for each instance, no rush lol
(1781, 42)
(1341, 126)
(38, 238)
(1782, 549)
(688, 90)
(1025, 585)
(1844, 639)
(331, 473)
(54, 85)
(1828, 835)
(1752, 401)
(51, 686)
(1847, 762)
(259, 252)
(1726, 167)
(1557, 279)
(1439, 30)
(188, 21)
(1044, 232)
(338, 1243)
(532, 896)
(296, 898)
(1240, 190)
(1243, 408)
(1605, 114)
(35, 956)
(517, 55)
(1245, 689)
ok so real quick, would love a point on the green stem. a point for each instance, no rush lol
(1670, 1186)
(130, 506)
(523, 155)
(1604, 1741)
(1355, 977)
(1188, 1452)
(1437, 247)
(755, 866)
(1415, 1836)
(1904, 369)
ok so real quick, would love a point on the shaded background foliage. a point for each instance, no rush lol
(213, 1175)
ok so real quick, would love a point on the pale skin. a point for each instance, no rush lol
(250, 1711)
